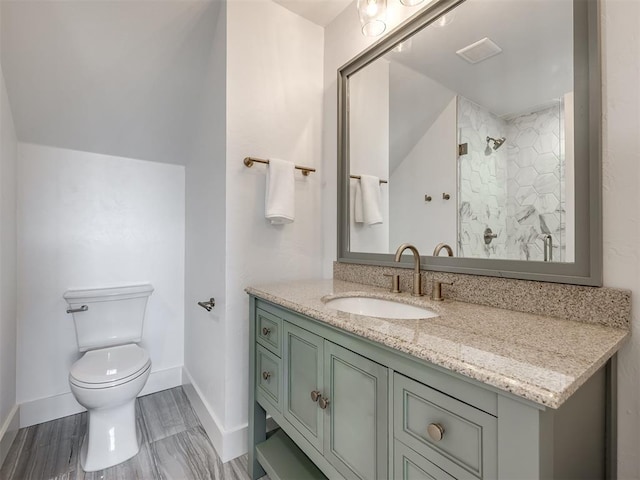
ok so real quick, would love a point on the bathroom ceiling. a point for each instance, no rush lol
(320, 12)
(121, 78)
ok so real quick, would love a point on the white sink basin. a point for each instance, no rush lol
(378, 307)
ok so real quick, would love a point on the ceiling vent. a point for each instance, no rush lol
(479, 51)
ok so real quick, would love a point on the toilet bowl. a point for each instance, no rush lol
(112, 371)
(106, 382)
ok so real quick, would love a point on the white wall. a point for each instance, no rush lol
(89, 220)
(429, 168)
(205, 350)
(274, 109)
(122, 77)
(621, 176)
(369, 150)
(8, 151)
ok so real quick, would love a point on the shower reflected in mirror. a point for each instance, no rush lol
(497, 143)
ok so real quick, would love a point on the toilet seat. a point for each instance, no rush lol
(109, 367)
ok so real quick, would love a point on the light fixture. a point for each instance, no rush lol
(372, 15)
(441, 21)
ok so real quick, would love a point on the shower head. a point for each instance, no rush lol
(497, 142)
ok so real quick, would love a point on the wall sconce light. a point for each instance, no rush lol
(372, 15)
(411, 3)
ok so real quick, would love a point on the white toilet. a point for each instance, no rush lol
(112, 372)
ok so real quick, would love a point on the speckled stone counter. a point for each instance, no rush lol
(539, 358)
(600, 305)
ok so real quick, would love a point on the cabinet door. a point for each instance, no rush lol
(303, 358)
(356, 416)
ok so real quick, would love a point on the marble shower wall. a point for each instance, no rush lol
(535, 202)
(482, 183)
(515, 190)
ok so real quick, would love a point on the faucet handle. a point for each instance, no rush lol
(436, 290)
(395, 282)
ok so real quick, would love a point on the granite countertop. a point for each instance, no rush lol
(539, 358)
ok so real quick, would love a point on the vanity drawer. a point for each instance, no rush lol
(408, 465)
(269, 331)
(268, 377)
(458, 438)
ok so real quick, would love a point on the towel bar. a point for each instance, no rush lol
(248, 161)
(357, 177)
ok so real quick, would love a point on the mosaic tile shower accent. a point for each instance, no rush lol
(515, 190)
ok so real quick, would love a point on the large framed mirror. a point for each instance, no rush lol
(477, 123)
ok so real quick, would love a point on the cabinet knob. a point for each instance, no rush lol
(266, 375)
(324, 403)
(315, 395)
(435, 431)
(266, 331)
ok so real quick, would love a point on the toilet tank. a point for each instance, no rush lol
(113, 316)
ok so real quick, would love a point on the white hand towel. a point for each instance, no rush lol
(371, 199)
(280, 192)
(358, 214)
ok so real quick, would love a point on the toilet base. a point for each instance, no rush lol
(111, 437)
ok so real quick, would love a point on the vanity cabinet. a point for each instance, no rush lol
(335, 399)
(355, 409)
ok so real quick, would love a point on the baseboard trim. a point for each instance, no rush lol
(229, 444)
(8, 432)
(58, 406)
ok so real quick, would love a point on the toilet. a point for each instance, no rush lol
(112, 372)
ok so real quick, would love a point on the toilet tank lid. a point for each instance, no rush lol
(108, 293)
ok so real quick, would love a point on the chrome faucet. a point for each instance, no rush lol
(440, 247)
(417, 276)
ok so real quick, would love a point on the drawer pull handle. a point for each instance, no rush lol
(315, 395)
(266, 331)
(266, 375)
(323, 402)
(435, 431)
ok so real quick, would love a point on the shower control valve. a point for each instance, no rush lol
(489, 235)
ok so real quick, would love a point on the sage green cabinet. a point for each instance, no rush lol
(456, 437)
(338, 401)
(269, 328)
(351, 408)
(303, 362)
(356, 417)
(269, 384)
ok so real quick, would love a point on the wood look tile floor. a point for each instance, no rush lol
(174, 447)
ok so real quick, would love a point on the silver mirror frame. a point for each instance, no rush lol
(587, 269)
